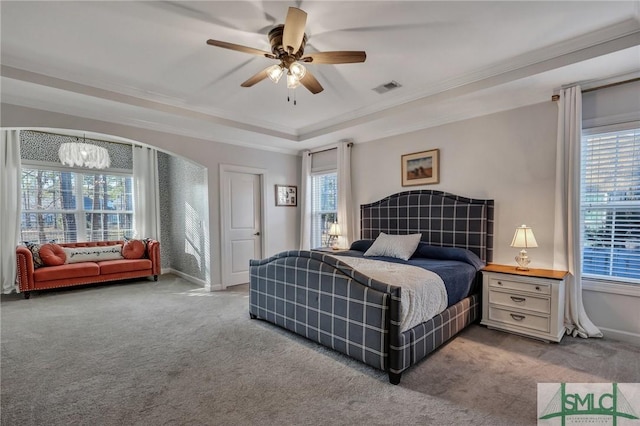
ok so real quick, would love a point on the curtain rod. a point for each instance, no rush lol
(78, 137)
(350, 144)
(555, 98)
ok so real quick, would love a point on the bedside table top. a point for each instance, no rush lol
(328, 249)
(538, 273)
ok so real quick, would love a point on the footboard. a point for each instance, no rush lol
(325, 300)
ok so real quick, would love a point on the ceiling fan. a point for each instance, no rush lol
(287, 46)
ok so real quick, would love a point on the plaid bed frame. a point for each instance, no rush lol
(317, 296)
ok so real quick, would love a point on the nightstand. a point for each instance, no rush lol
(530, 303)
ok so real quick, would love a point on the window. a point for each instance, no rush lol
(610, 205)
(324, 206)
(51, 209)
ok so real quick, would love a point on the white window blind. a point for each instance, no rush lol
(610, 205)
(324, 161)
(324, 206)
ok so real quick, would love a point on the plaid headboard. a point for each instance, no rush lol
(443, 219)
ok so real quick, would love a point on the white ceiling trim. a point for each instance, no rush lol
(58, 83)
(533, 68)
(597, 43)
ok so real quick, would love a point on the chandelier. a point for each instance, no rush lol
(77, 154)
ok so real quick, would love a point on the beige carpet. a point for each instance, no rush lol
(167, 353)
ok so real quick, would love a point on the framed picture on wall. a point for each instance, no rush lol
(286, 195)
(421, 168)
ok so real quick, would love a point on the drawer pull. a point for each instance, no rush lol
(538, 287)
(518, 299)
(499, 282)
(517, 317)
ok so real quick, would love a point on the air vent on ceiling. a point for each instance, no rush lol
(384, 88)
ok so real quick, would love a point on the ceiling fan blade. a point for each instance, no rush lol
(294, 29)
(239, 48)
(338, 57)
(310, 82)
(257, 78)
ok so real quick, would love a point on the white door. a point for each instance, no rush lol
(242, 219)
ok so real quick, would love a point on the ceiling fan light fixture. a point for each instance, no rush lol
(298, 70)
(275, 72)
(287, 42)
(292, 81)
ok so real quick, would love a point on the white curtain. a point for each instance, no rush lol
(146, 193)
(345, 205)
(305, 202)
(567, 249)
(9, 207)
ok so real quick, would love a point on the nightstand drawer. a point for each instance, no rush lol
(522, 285)
(510, 300)
(534, 322)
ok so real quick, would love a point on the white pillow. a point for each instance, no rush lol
(400, 246)
(93, 254)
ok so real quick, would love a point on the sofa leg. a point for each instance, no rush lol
(155, 278)
(252, 316)
(27, 294)
(394, 378)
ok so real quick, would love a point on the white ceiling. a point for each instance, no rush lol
(147, 64)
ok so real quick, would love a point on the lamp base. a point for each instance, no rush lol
(523, 261)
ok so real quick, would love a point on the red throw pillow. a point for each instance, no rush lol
(52, 255)
(133, 249)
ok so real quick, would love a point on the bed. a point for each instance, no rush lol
(319, 296)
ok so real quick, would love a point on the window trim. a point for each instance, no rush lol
(78, 212)
(60, 168)
(610, 287)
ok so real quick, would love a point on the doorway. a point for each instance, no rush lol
(242, 219)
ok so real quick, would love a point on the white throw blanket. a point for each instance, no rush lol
(423, 292)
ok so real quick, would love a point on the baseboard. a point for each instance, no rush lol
(187, 277)
(623, 336)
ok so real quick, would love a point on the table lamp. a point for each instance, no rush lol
(524, 239)
(334, 233)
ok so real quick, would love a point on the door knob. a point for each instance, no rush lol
(257, 233)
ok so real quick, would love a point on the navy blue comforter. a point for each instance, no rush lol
(457, 267)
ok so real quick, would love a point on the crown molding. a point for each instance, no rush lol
(83, 89)
(162, 127)
(597, 43)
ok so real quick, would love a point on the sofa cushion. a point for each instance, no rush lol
(52, 255)
(76, 270)
(34, 248)
(123, 265)
(93, 254)
(133, 249)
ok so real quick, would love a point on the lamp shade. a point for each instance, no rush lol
(74, 154)
(334, 229)
(292, 81)
(297, 70)
(524, 237)
(275, 72)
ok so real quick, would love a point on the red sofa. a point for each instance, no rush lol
(31, 278)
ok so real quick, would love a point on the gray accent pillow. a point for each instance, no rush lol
(398, 246)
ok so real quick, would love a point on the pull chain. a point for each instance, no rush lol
(289, 96)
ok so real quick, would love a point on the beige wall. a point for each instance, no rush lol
(508, 157)
(282, 223)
